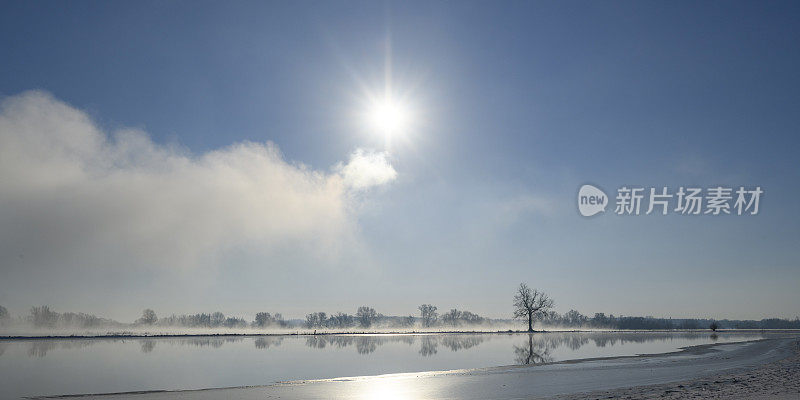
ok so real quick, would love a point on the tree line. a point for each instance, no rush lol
(529, 305)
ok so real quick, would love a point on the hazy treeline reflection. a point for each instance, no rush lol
(534, 348)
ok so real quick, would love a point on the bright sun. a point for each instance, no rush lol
(388, 116)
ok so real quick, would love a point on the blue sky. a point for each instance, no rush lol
(517, 105)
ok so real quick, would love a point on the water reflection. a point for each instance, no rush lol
(214, 342)
(40, 348)
(148, 345)
(429, 344)
(363, 344)
(267, 342)
(368, 344)
(536, 352)
(527, 349)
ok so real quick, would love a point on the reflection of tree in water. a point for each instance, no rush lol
(369, 344)
(576, 342)
(340, 341)
(363, 344)
(456, 343)
(535, 352)
(603, 339)
(316, 342)
(366, 344)
(267, 342)
(39, 348)
(428, 347)
(148, 345)
(207, 341)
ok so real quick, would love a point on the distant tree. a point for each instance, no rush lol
(713, 326)
(599, 320)
(530, 304)
(341, 320)
(428, 314)
(262, 319)
(452, 317)
(233, 322)
(43, 317)
(407, 322)
(689, 324)
(316, 320)
(278, 317)
(471, 318)
(366, 316)
(148, 317)
(217, 319)
(574, 318)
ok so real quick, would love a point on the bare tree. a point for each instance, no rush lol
(531, 304)
(428, 314)
(366, 316)
(148, 317)
(43, 317)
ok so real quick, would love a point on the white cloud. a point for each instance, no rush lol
(366, 169)
(73, 196)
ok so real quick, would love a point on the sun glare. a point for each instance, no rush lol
(389, 116)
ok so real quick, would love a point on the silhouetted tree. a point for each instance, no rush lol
(713, 326)
(530, 304)
(148, 317)
(428, 314)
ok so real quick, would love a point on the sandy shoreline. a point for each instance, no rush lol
(634, 377)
